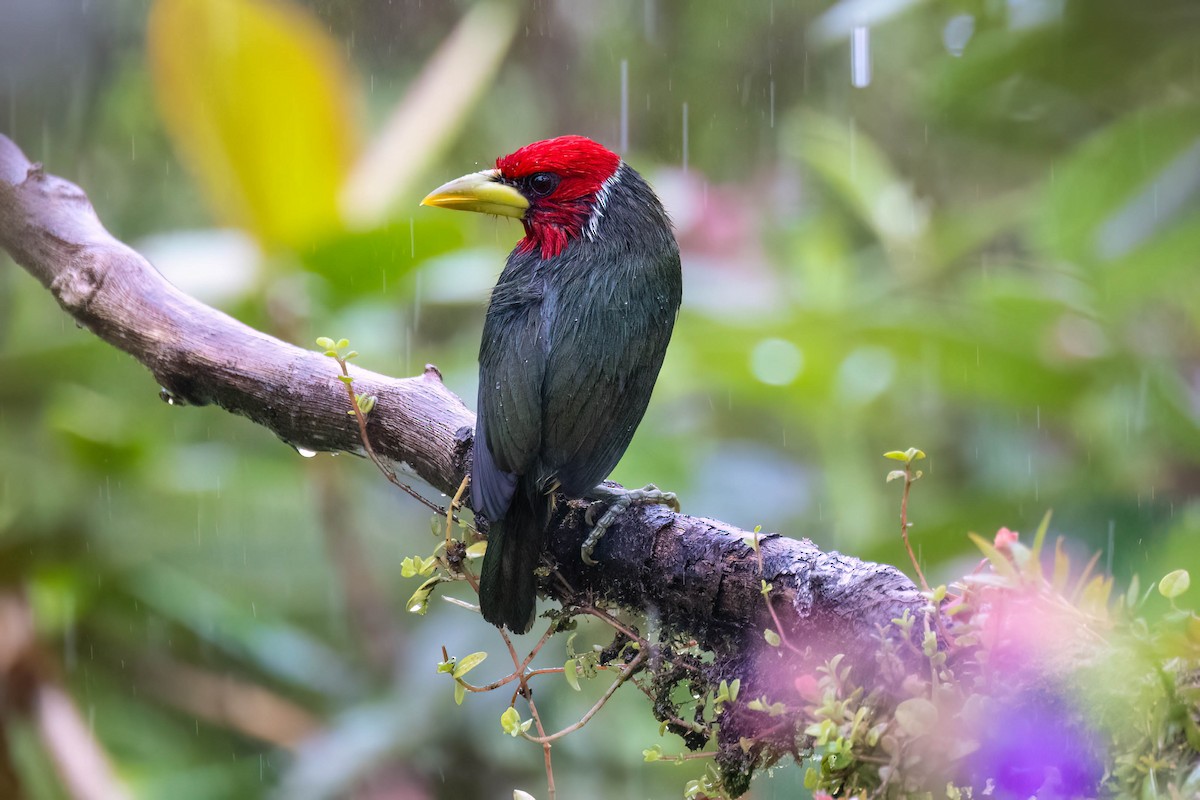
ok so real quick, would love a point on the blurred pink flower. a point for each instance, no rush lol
(1005, 539)
(808, 688)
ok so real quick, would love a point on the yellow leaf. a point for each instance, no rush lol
(1000, 563)
(1094, 597)
(1087, 574)
(1062, 567)
(260, 106)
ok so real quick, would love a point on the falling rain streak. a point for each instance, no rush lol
(624, 106)
(685, 138)
(860, 57)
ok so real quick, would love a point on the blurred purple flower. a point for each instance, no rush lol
(1038, 747)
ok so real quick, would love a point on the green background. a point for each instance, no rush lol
(991, 251)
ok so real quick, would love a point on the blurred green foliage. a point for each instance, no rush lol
(989, 250)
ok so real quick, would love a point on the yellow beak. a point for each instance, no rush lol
(479, 191)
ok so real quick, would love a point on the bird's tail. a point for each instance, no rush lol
(507, 585)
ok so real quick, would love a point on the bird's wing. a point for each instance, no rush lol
(491, 487)
(603, 363)
(512, 361)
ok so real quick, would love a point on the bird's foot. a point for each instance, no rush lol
(616, 502)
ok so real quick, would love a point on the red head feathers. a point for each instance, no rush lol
(565, 181)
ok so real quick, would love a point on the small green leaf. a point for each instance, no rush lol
(477, 550)
(350, 355)
(343, 343)
(445, 666)
(895, 455)
(419, 602)
(1174, 584)
(469, 663)
(896, 475)
(510, 722)
(346, 379)
(324, 342)
(734, 687)
(772, 637)
(571, 673)
(652, 754)
(520, 795)
(460, 691)
(913, 454)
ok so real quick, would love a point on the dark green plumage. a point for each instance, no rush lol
(572, 345)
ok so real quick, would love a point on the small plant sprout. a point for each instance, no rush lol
(418, 603)
(362, 404)
(459, 669)
(339, 350)
(413, 566)
(754, 541)
(510, 722)
(910, 477)
(775, 709)
(727, 692)
(455, 504)
(655, 753)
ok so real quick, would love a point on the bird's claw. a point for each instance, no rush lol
(655, 495)
(589, 516)
(621, 501)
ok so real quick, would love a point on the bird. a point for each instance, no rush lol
(573, 339)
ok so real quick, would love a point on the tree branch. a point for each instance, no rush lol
(694, 577)
(202, 356)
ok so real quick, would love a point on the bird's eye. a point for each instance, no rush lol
(543, 183)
